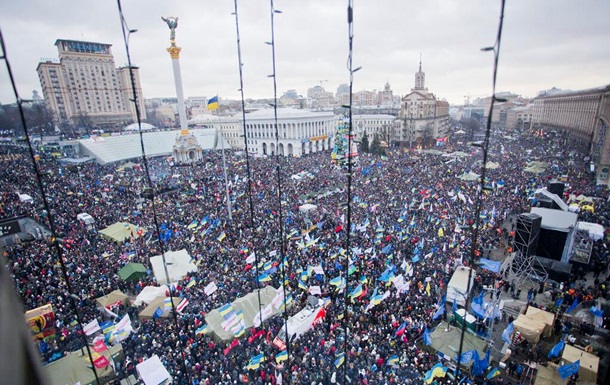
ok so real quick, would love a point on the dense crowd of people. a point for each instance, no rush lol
(410, 214)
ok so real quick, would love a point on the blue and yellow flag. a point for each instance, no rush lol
(281, 356)
(222, 236)
(213, 103)
(202, 330)
(339, 360)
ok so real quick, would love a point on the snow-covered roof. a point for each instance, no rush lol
(135, 127)
(557, 220)
(115, 148)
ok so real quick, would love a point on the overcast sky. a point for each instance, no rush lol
(546, 43)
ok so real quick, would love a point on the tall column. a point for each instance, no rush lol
(174, 52)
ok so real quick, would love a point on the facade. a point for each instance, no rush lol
(187, 149)
(583, 115)
(381, 125)
(422, 118)
(519, 117)
(300, 131)
(84, 83)
(230, 126)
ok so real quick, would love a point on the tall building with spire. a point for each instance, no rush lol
(420, 79)
(423, 119)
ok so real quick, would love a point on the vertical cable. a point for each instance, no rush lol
(64, 271)
(279, 180)
(248, 171)
(350, 31)
(126, 32)
(485, 148)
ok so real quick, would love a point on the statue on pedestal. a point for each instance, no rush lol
(172, 23)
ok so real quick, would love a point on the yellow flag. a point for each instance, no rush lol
(441, 233)
(428, 288)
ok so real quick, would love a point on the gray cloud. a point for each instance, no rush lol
(545, 43)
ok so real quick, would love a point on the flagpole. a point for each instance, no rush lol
(224, 170)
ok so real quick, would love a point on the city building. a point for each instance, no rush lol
(300, 131)
(584, 116)
(230, 127)
(519, 118)
(423, 118)
(381, 125)
(186, 148)
(83, 86)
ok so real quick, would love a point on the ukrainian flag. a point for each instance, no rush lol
(226, 309)
(191, 283)
(351, 269)
(335, 281)
(264, 278)
(193, 224)
(213, 103)
(340, 360)
(363, 279)
(255, 362)
(302, 285)
(222, 236)
(202, 330)
(493, 373)
(357, 292)
(392, 360)
(281, 356)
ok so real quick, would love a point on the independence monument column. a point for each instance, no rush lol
(174, 52)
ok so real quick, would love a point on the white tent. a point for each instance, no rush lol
(307, 208)
(149, 293)
(595, 230)
(178, 265)
(152, 371)
(458, 288)
(469, 176)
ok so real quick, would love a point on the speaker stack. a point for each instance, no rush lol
(527, 233)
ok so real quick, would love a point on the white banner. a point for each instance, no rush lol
(318, 270)
(313, 290)
(91, 327)
(251, 258)
(125, 321)
(210, 288)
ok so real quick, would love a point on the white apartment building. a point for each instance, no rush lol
(230, 126)
(84, 82)
(300, 131)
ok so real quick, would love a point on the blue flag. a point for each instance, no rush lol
(466, 357)
(558, 302)
(476, 368)
(566, 371)
(438, 313)
(158, 313)
(454, 306)
(479, 299)
(596, 311)
(387, 249)
(427, 339)
(507, 333)
(572, 306)
(556, 350)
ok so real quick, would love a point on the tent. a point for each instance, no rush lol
(536, 167)
(448, 342)
(548, 375)
(178, 265)
(113, 298)
(149, 293)
(75, 368)
(485, 310)
(457, 289)
(589, 363)
(544, 316)
(469, 176)
(248, 304)
(121, 231)
(149, 311)
(530, 328)
(152, 371)
(307, 208)
(595, 230)
(132, 272)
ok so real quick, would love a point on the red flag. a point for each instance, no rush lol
(231, 346)
(338, 228)
(255, 336)
(99, 345)
(100, 362)
(248, 267)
